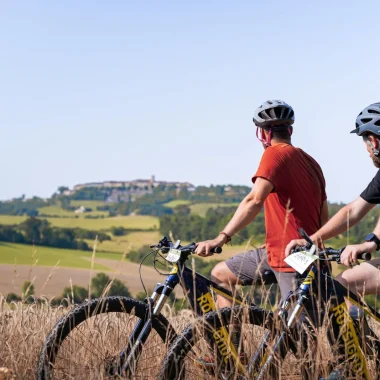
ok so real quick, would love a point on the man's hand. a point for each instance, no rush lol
(293, 244)
(204, 248)
(350, 254)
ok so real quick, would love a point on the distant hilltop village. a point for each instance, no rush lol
(121, 191)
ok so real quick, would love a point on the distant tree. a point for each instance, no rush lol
(119, 289)
(27, 289)
(13, 297)
(32, 213)
(64, 202)
(118, 231)
(182, 210)
(62, 189)
(77, 293)
(33, 229)
(100, 282)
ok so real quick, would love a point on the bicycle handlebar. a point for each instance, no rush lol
(165, 245)
(189, 249)
(334, 254)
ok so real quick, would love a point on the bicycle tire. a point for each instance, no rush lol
(173, 367)
(70, 322)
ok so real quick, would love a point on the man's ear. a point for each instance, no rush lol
(373, 142)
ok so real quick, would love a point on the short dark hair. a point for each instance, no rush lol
(365, 135)
(283, 133)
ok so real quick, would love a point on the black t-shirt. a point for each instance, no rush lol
(372, 193)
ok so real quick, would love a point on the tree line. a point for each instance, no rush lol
(148, 204)
(40, 232)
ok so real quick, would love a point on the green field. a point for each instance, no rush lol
(58, 211)
(201, 208)
(22, 254)
(55, 210)
(89, 204)
(133, 222)
(177, 202)
(132, 241)
(12, 219)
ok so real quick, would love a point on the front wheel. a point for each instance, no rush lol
(87, 342)
(193, 355)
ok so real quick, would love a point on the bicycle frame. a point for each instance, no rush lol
(199, 291)
(345, 331)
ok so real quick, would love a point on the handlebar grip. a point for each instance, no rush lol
(217, 250)
(365, 256)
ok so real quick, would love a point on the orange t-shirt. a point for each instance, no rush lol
(296, 200)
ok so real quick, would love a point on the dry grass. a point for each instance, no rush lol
(24, 328)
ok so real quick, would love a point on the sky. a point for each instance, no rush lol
(120, 90)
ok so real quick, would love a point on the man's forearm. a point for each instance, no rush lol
(344, 219)
(245, 213)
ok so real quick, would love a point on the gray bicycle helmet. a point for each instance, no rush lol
(273, 113)
(368, 120)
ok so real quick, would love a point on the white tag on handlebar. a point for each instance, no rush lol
(300, 261)
(173, 256)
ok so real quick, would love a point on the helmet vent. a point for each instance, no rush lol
(377, 123)
(264, 115)
(365, 120)
(373, 111)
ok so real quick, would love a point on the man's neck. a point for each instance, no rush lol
(280, 141)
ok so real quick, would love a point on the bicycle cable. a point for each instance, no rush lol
(141, 262)
(158, 261)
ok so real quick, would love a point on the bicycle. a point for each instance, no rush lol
(73, 339)
(352, 340)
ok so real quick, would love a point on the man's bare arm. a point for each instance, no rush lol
(250, 206)
(248, 209)
(344, 219)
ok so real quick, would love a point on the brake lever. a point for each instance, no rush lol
(310, 243)
(298, 248)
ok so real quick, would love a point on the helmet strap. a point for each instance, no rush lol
(266, 140)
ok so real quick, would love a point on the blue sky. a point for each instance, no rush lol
(93, 91)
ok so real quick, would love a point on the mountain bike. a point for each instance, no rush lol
(290, 330)
(120, 337)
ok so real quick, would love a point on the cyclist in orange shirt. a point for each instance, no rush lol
(289, 184)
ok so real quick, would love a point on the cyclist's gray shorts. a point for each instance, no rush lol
(375, 262)
(250, 266)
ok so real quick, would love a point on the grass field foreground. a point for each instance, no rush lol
(27, 327)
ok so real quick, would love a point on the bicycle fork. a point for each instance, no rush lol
(131, 353)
